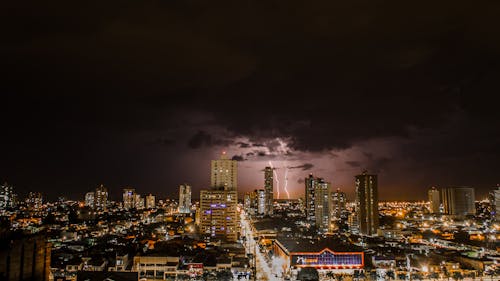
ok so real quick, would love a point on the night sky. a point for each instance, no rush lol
(144, 93)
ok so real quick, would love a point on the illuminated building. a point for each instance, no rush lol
(34, 201)
(434, 200)
(101, 198)
(218, 214)
(224, 173)
(325, 255)
(7, 196)
(339, 201)
(458, 201)
(26, 258)
(138, 201)
(496, 203)
(310, 184)
(184, 199)
(150, 201)
(90, 199)
(322, 205)
(268, 187)
(367, 203)
(128, 198)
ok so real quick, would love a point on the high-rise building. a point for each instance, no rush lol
(434, 200)
(128, 198)
(367, 203)
(7, 196)
(322, 205)
(310, 185)
(458, 201)
(496, 203)
(150, 201)
(218, 214)
(224, 173)
(34, 201)
(138, 201)
(90, 199)
(339, 201)
(268, 187)
(26, 258)
(101, 198)
(261, 201)
(184, 199)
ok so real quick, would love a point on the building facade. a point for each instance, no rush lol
(434, 200)
(458, 201)
(219, 218)
(101, 198)
(269, 188)
(150, 201)
(7, 196)
(322, 205)
(310, 184)
(129, 198)
(224, 173)
(367, 203)
(184, 199)
(90, 199)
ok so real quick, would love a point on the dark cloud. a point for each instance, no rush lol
(353, 164)
(238, 158)
(243, 144)
(303, 167)
(202, 138)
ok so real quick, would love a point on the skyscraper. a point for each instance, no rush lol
(224, 173)
(310, 184)
(339, 201)
(322, 205)
(458, 201)
(496, 203)
(434, 200)
(367, 203)
(184, 199)
(218, 214)
(90, 199)
(261, 201)
(101, 198)
(138, 201)
(128, 198)
(7, 196)
(268, 187)
(150, 201)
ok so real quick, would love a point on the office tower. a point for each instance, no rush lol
(310, 184)
(367, 203)
(128, 198)
(184, 199)
(247, 202)
(90, 199)
(458, 201)
(224, 173)
(339, 201)
(101, 197)
(322, 205)
(138, 201)
(495, 203)
(268, 187)
(25, 258)
(7, 196)
(218, 214)
(34, 201)
(434, 200)
(150, 201)
(261, 201)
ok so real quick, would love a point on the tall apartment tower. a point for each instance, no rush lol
(34, 201)
(129, 198)
(310, 184)
(496, 203)
(184, 199)
(434, 200)
(219, 218)
(150, 201)
(101, 198)
(339, 201)
(322, 205)
(224, 173)
(7, 196)
(90, 199)
(268, 187)
(458, 201)
(367, 203)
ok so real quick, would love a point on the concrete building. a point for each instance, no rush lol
(150, 201)
(269, 188)
(7, 196)
(367, 203)
(496, 203)
(34, 201)
(101, 198)
(90, 199)
(129, 198)
(224, 173)
(24, 258)
(458, 201)
(434, 200)
(219, 218)
(139, 201)
(261, 201)
(184, 199)
(322, 205)
(310, 184)
(338, 206)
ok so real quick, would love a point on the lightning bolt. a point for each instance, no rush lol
(277, 180)
(286, 183)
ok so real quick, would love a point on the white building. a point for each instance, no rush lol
(184, 199)
(224, 173)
